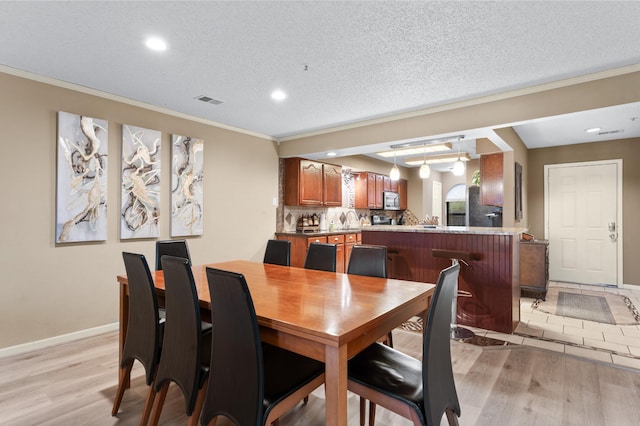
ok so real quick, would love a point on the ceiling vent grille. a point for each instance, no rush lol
(208, 100)
(610, 132)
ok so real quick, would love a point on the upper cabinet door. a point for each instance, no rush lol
(402, 193)
(491, 180)
(390, 185)
(302, 182)
(361, 187)
(379, 201)
(371, 190)
(332, 185)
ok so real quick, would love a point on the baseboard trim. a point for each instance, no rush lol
(57, 340)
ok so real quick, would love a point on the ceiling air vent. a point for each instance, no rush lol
(610, 132)
(208, 100)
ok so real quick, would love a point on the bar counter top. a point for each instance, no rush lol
(414, 228)
(446, 229)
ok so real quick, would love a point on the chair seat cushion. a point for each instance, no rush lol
(285, 372)
(390, 372)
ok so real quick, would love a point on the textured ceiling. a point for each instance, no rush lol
(339, 62)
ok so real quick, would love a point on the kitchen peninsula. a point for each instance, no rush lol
(489, 281)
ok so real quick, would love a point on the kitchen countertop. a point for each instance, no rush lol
(415, 228)
(324, 233)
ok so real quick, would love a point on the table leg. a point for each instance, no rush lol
(336, 362)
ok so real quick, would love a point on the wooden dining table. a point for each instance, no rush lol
(326, 316)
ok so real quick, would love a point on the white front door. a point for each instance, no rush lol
(582, 215)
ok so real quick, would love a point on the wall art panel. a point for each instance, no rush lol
(186, 186)
(140, 191)
(81, 187)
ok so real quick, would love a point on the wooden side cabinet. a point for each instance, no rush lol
(534, 267)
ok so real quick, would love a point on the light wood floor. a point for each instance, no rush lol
(73, 384)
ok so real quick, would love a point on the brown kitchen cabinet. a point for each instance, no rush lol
(332, 185)
(390, 185)
(402, 193)
(534, 267)
(368, 190)
(491, 180)
(350, 240)
(338, 240)
(310, 183)
(299, 243)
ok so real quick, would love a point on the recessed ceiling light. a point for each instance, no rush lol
(155, 43)
(331, 154)
(593, 130)
(278, 95)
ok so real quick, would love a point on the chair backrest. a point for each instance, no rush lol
(144, 333)
(236, 384)
(321, 256)
(278, 252)
(180, 360)
(368, 260)
(176, 248)
(437, 373)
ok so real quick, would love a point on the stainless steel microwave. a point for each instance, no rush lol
(391, 201)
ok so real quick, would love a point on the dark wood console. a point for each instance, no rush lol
(534, 267)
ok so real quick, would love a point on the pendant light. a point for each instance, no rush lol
(458, 166)
(425, 170)
(394, 174)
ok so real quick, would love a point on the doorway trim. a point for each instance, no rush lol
(619, 242)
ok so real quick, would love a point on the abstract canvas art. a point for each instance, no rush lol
(81, 191)
(140, 191)
(187, 158)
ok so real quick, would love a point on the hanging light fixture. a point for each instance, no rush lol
(458, 166)
(425, 170)
(394, 174)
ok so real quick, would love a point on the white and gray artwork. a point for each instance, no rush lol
(187, 158)
(140, 191)
(81, 191)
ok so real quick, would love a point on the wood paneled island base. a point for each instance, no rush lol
(489, 287)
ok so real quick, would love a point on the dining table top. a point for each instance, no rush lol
(331, 306)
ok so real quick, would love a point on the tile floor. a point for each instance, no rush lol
(616, 344)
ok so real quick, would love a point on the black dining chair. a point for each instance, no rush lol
(143, 340)
(368, 260)
(418, 390)
(250, 383)
(177, 248)
(278, 252)
(321, 256)
(186, 348)
(371, 261)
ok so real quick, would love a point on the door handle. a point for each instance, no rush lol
(613, 235)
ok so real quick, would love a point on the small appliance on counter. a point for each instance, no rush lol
(308, 223)
(380, 220)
